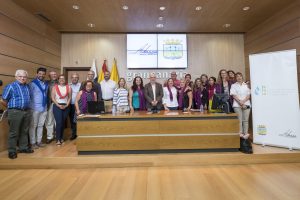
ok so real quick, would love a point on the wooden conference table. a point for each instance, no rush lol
(172, 130)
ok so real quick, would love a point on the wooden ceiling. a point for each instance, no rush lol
(142, 15)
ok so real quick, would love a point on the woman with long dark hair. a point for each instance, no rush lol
(170, 96)
(200, 94)
(212, 89)
(225, 84)
(136, 95)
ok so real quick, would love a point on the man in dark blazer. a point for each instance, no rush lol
(153, 94)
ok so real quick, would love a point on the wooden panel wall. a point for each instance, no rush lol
(207, 53)
(26, 43)
(279, 32)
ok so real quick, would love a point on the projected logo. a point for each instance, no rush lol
(261, 129)
(144, 50)
(288, 134)
(260, 90)
(172, 49)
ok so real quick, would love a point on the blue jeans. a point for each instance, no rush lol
(173, 108)
(60, 118)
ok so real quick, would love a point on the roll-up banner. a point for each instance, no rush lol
(275, 99)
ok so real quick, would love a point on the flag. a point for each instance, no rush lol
(114, 72)
(94, 69)
(101, 74)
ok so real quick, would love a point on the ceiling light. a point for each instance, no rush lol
(159, 25)
(160, 18)
(246, 8)
(91, 25)
(125, 7)
(75, 7)
(226, 25)
(198, 8)
(162, 8)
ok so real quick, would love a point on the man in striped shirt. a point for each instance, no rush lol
(16, 97)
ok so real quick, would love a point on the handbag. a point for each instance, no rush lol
(245, 146)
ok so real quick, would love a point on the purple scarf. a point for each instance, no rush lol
(84, 100)
(180, 98)
(171, 94)
(141, 99)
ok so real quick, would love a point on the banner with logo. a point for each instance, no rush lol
(275, 99)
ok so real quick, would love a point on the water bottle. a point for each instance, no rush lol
(201, 108)
(113, 109)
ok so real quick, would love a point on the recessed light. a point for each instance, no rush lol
(75, 7)
(198, 8)
(162, 8)
(246, 8)
(226, 25)
(91, 25)
(159, 25)
(160, 18)
(125, 7)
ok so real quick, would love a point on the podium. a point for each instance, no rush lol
(172, 130)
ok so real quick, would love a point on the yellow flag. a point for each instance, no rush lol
(114, 72)
(101, 74)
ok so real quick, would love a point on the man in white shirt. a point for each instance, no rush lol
(75, 89)
(107, 87)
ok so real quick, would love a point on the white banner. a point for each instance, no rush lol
(275, 99)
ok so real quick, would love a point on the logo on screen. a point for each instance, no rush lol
(172, 49)
(261, 90)
(261, 130)
(288, 133)
(144, 50)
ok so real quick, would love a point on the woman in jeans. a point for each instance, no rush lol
(61, 97)
(241, 103)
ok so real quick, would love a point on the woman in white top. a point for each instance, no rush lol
(170, 96)
(120, 98)
(241, 103)
(61, 96)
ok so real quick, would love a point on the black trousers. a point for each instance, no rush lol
(72, 114)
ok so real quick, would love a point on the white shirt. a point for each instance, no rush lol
(166, 98)
(63, 92)
(75, 90)
(107, 88)
(154, 92)
(241, 91)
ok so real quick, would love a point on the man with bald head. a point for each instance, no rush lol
(153, 94)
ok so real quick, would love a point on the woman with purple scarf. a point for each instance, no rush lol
(185, 96)
(170, 96)
(200, 94)
(136, 95)
(83, 97)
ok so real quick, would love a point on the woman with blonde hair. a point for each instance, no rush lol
(120, 98)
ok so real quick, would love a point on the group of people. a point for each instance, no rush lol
(48, 103)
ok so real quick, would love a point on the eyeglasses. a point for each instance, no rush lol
(75, 77)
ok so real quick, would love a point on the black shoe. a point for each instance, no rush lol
(73, 137)
(49, 141)
(12, 155)
(29, 150)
